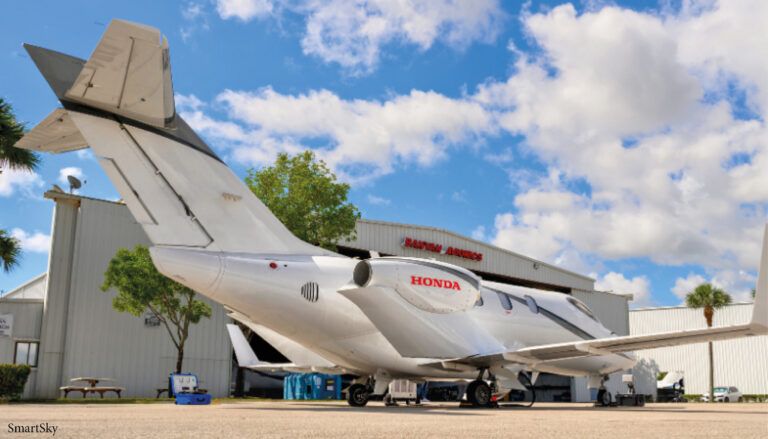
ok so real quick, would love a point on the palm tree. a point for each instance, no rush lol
(10, 133)
(710, 298)
(9, 251)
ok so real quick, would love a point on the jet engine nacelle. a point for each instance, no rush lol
(432, 286)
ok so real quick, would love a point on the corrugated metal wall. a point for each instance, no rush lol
(105, 343)
(387, 237)
(27, 318)
(742, 363)
(611, 309)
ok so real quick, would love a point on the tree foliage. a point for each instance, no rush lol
(708, 297)
(305, 196)
(10, 251)
(10, 133)
(140, 287)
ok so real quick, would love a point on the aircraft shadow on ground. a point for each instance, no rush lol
(455, 410)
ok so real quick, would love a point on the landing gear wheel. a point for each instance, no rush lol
(357, 395)
(479, 393)
(604, 398)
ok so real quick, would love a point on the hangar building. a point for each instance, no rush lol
(742, 363)
(64, 325)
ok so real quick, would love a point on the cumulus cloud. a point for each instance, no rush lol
(378, 201)
(244, 10)
(638, 286)
(361, 139)
(684, 285)
(636, 123)
(195, 19)
(37, 242)
(352, 33)
(12, 180)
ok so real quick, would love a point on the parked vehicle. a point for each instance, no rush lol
(724, 394)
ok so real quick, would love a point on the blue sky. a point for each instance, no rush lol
(624, 140)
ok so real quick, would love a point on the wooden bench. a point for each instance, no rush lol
(67, 389)
(102, 390)
(86, 390)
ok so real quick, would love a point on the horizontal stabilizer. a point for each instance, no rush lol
(243, 351)
(56, 133)
(296, 353)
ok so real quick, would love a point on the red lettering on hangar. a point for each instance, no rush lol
(418, 244)
(435, 282)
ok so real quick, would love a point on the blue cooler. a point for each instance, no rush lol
(183, 387)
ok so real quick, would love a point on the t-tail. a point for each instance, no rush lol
(120, 102)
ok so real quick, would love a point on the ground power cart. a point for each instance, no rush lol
(184, 388)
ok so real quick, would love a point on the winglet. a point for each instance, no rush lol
(760, 308)
(245, 355)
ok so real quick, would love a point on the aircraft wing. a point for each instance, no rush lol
(542, 356)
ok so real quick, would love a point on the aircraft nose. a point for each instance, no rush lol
(195, 269)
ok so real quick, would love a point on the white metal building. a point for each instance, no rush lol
(742, 362)
(69, 321)
(70, 325)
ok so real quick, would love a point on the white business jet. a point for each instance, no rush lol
(379, 319)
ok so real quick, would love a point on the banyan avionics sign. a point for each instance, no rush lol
(6, 325)
(418, 244)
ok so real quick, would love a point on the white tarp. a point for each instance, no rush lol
(6, 325)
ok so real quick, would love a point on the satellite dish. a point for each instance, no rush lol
(57, 188)
(74, 183)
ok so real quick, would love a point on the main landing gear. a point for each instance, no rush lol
(358, 395)
(480, 393)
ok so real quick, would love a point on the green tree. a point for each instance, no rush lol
(305, 196)
(709, 298)
(10, 133)
(140, 287)
(10, 251)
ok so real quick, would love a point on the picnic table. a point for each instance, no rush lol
(92, 387)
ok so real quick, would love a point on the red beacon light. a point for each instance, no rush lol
(273, 265)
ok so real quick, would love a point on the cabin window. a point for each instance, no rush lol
(506, 303)
(532, 305)
(26, 353)
(581, 307)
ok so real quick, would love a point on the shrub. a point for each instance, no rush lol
(12, 380)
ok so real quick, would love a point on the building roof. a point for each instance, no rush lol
(658, 308)
(31, 289)
(481, 243)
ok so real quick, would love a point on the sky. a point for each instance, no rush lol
(623, 140)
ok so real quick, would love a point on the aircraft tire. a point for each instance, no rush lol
(357, 395)
(479, 393)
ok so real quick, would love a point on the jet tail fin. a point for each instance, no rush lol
(120, 103)
(760, 307)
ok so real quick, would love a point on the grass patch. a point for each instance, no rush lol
(96, 401)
